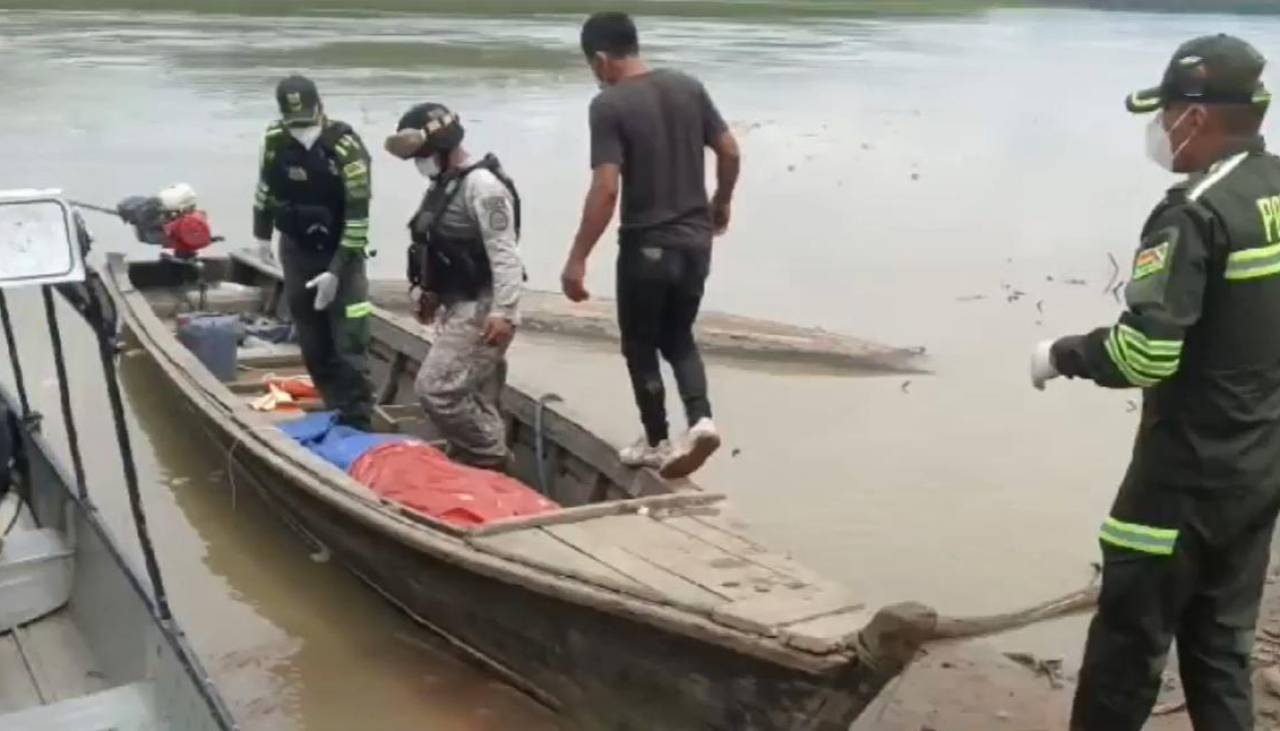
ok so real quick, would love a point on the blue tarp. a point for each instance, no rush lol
(336, 444)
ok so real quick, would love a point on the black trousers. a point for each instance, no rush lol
(1206, 595)
(659, 292)
(334, 341)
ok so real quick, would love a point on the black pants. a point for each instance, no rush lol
(334, 341)
(659, 293)
(1206, 595)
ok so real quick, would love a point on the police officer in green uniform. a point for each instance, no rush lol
(1187, 542)
(314, 188)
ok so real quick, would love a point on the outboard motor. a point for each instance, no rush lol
(170, 219)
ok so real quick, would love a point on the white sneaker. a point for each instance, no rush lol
(698, 445)
(641, 454)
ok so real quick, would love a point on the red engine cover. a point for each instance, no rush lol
(188, 234)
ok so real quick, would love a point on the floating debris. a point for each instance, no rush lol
(1115, 272)
(1131, 406)
(1051, 669)
(866, 145)
(1075, 282)
(971, 298)
(1115, 291)
(735, 452)
(915, 176)
(1040, 306)
(791, 168)
(906, 385)
(1048, 277)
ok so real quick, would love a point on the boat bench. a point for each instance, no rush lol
(697, 559)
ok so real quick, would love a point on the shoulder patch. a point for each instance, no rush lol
(1151, 261)
(497, 212)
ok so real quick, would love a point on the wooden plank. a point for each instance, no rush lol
(16, 688)
(767, 613)
(715, 570)
(587, 512)
(716, 531)
(535, 547)
(272, 361)
(674, 588)
(827, 634)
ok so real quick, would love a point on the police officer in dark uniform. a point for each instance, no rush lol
(1188, 540)
(314, 188)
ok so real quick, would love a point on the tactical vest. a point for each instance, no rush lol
(309, 187)
(454, 268)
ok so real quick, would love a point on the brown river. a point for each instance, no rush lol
(954, 182)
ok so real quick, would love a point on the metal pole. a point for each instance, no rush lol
(107, 352)
(64, 391)
(13, 357)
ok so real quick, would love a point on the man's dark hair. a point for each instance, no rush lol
(611, 33)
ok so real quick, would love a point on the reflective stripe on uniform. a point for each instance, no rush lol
(1142, 361)
(1156, 541)
(1222, 170)
(355, 170)
(1263, 261)
(355, 235)
(359, 309)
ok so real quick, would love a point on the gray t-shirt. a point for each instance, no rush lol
(657, 127)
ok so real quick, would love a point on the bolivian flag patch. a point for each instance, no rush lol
(1151, 261)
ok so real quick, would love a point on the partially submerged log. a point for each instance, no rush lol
(719, 334)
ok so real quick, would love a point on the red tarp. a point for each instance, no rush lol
(422, 478)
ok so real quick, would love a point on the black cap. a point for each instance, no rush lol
(425, 130)
(299, 100)
(1219, 69)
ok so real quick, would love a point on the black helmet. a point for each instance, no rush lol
(425, 130)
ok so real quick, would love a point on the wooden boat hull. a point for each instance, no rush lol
(604, 659)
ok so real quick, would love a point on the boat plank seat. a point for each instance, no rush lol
(595, 540)
(671, 556)
(61, 665)
(123, 708)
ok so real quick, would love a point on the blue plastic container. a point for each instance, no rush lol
(213, 339)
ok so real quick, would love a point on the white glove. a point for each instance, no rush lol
(326, 287)
(265, 251)
(1042, 368)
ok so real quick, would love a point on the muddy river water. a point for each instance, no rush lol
(954, 182)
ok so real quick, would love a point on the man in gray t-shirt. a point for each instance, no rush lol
(649, 134)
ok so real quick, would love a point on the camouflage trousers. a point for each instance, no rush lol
(460, 383)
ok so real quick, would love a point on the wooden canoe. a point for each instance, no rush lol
(640, 605)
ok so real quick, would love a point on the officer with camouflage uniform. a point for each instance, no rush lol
(464, 264)
(1186, 547)
(314, 188)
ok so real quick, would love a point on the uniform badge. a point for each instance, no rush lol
(1150, 261)
(499, 217)
(297, 173)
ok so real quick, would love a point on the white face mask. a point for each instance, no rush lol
(427, 166)
(306, 136)
(1160, 145)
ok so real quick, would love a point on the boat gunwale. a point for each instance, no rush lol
(463, 549)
